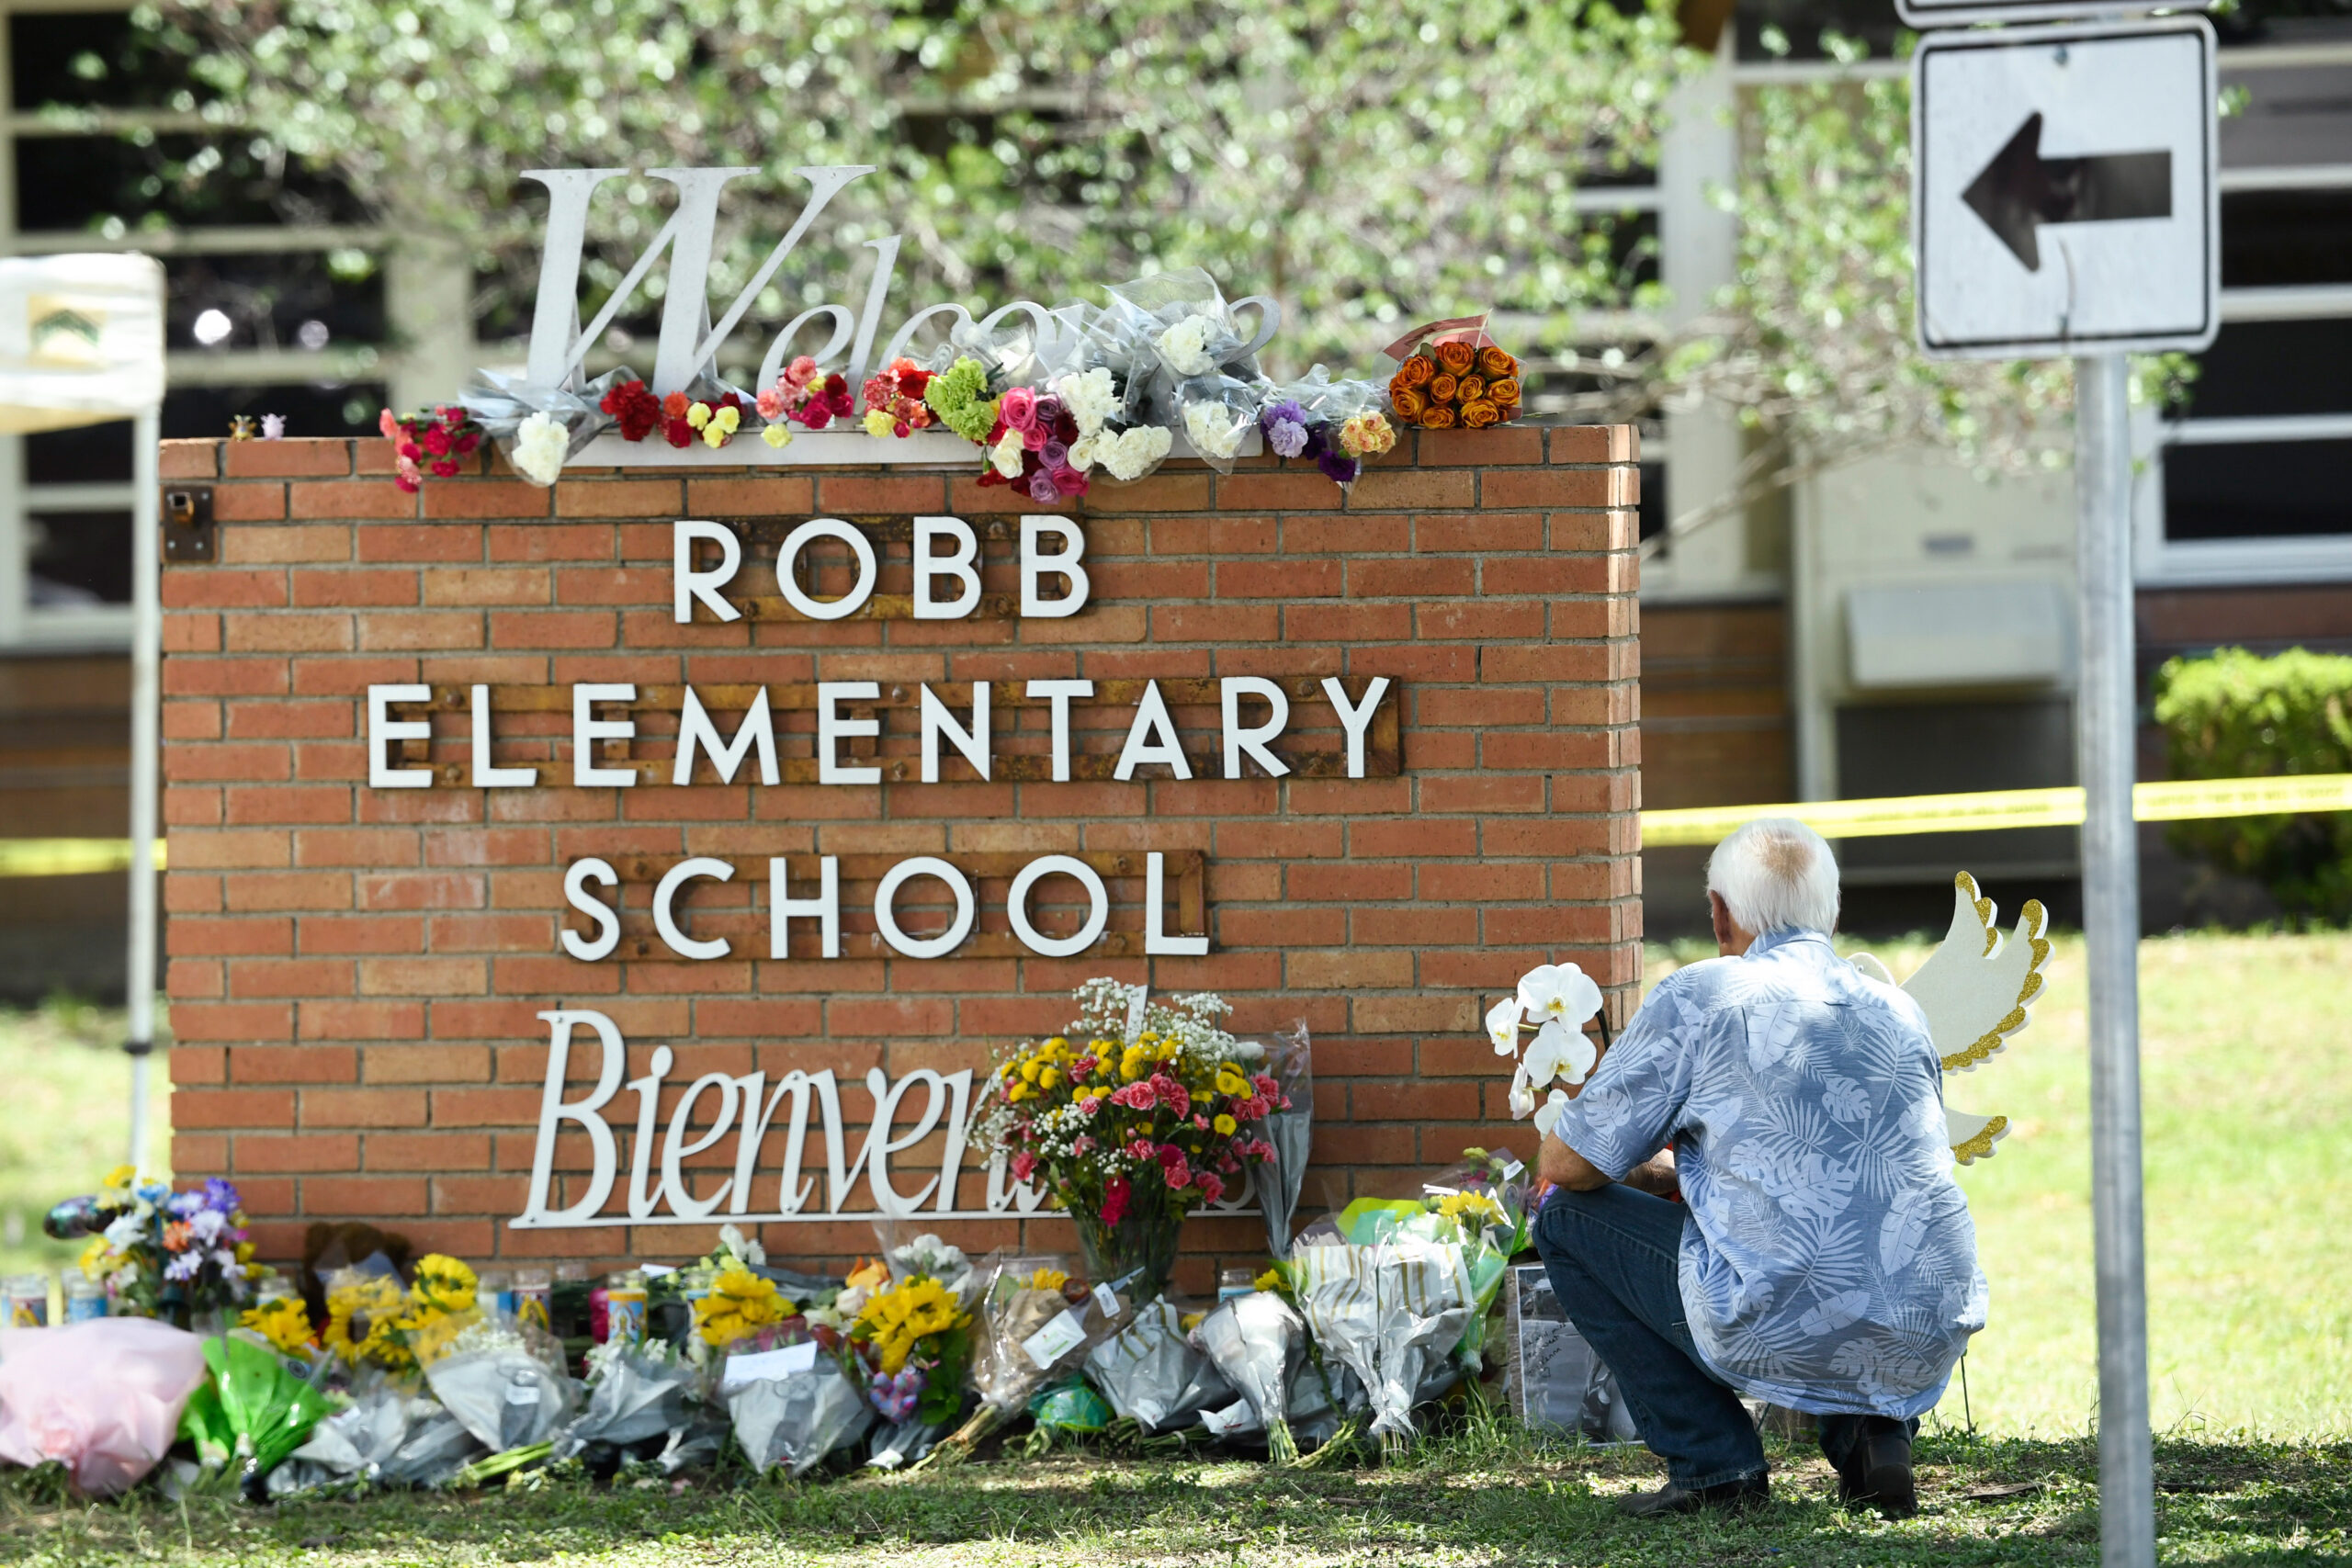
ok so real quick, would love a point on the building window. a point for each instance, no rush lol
(278, 298)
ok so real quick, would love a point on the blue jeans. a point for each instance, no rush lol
(1611, 1256)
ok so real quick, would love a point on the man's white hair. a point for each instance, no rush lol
(1776, 874)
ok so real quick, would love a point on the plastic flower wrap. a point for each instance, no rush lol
(637, 1391)
(1149, 1127)
(502, 1380)
(1153, 1374)
(251, 1412)
(1288, 1131)
(1393, 1311)
(1256, 1342)
(1218, 412)
(1160, 331)
(1555, 999)
(103, 1398)
(797, 1420)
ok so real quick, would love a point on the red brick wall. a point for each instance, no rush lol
(355, 972)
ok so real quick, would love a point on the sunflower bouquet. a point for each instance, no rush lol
(372, 1320)
(1455, 379)
(915, 1341)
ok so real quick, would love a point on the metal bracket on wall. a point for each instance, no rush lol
(189, 532)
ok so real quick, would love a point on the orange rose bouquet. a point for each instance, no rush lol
(1450, 375)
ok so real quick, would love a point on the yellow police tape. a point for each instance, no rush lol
(2174, 801)
(2170, 802)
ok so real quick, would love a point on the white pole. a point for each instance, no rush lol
(146, 713)
(2106, 726)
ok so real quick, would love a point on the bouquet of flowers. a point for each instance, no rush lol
(1134, 1117)
(915, 1341)
(372, 1319)
(803, 395)
(894, 400)
(740, 1305)
(1392, 1311)
(429, 440)
(1152, 1374)
(1029, 447)
(1456, 375)
(1035, 1326)
(1095, 401)
(1555, 1000)
(162, 1252)
(253, 1411)
(503, 1379)
(1337, 423)
(1256, 1343)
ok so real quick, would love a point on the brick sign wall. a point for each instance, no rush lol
(359, 970)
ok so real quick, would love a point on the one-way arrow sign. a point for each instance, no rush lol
(2020, 190)
(2064, 193)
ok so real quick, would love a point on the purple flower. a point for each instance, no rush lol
(222, 1196)
(1055, 456)
(1049, 408)
(183, 1205)
(1285, 426)
(895, 1396)
(1042, 487)
(1339, 468)
(184, 1265)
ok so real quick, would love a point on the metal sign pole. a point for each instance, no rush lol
(146, 713)
(2106, 726)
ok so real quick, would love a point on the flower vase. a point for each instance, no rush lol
(1139, 1241)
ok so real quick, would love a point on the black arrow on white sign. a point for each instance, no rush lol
(2019, 190)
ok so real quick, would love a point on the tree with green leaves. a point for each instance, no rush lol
(1364, 165)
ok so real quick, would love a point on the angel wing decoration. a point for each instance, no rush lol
(1976, 988)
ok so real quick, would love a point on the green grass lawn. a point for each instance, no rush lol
(2247, 1087)
(1468, 1500)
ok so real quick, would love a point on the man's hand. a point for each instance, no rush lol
(1656, 1176)
(1560, 1166)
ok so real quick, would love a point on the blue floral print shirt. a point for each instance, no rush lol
(1828, 1262)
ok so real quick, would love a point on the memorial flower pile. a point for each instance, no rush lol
(1093, 391)
(1452, 382)
(1113, 1124)
(428, 442)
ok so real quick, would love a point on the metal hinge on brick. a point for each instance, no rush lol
(189, 532)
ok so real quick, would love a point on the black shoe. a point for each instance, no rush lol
(1732, 1497)
(1878, 1470)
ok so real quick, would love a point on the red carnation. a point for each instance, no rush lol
(436, 440)
(680, 433)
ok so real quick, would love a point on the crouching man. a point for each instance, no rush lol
(1824, 1260)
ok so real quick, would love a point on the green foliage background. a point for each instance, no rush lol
(2234, 715)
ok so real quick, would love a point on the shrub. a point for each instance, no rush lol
(2231, 715)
